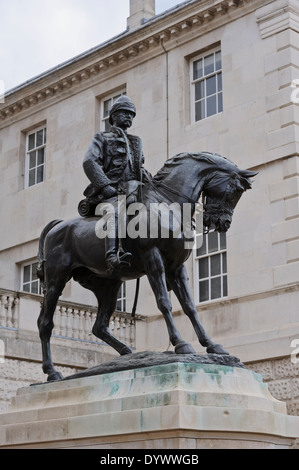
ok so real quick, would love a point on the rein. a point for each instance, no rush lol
(173, 191)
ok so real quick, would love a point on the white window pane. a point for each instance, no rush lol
(40, 174)
(220, 103)
(218, 60)
(216, 288)
(26, 287)
(211, 85)
(215, 265)
(35, 287)
(219, 82)
(201, 250)
(31, 177)
(212, 267)
(224, 263)
(197, 69)
(222, 237)
(211, 106)
(224, 282)
(203, 291)
(213, 242)
(32, 159)
(200, 110)
(45, 135)
(107, 106)
(40, 156)
(35, 158)
(209, 64)
(39, 138)
(203, 268)
(26, 274)
(31, 142)
(199, 90)
(34, 269)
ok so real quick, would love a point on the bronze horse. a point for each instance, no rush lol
(71, 249)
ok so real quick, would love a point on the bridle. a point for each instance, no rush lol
(173, 191)
(220, 208)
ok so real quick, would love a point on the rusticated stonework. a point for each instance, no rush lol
(282, 377)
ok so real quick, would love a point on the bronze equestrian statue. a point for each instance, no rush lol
(71, 249)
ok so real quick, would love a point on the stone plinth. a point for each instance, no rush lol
(168, 406)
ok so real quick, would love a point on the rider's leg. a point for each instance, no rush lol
(115, 256)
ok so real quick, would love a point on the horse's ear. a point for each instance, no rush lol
(245, 176)
(248, 173)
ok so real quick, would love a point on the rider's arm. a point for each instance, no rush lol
(93, 163)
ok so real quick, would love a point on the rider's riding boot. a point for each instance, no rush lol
(116, 258)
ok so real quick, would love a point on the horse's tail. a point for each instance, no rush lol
(40, 256)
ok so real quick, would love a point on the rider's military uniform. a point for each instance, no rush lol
(112, 158)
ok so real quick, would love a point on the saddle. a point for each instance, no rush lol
(87, 207)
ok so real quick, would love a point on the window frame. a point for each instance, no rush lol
(104, 120)
(22, 282)
(223, 274)
(121, 298)
(203, 78)
(36, 148)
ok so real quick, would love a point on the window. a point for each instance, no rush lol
(35, 157)
(211, 268)
(29, 280)
(121, 298)
(107, 104)
(206, 86)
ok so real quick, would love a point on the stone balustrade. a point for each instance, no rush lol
(9, 310)
(76, 323)
(71, 321)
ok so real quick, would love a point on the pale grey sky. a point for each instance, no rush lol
(36, 35)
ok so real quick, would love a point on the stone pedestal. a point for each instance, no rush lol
(168, 406)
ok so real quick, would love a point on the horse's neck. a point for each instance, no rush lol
(182, 188)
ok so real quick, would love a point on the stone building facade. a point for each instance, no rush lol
(206, 75)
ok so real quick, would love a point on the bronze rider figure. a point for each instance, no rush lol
(114, 165)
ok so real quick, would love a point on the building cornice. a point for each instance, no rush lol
(278, 16)
(123, 50)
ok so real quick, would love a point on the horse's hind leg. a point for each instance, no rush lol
(45, 326)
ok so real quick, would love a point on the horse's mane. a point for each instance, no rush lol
(205, 157)
(221, 165)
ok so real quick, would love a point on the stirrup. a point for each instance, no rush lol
(125, 258)
(117, 261)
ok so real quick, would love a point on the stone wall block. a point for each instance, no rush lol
(281, 389)
(285, 368)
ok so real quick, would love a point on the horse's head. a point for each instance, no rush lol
(221, 194)
(186, 176)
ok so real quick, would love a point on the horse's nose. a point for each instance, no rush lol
(227, 224)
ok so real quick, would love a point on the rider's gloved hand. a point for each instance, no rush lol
(109, 191)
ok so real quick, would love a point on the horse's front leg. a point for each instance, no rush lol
(180, 285)
(156, 275)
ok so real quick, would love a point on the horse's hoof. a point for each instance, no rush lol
(125, 350)
(216, 349)
(54, 376)
(184, 348)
